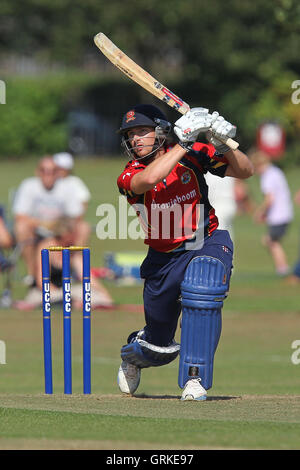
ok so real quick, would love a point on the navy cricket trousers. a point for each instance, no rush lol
(163, 274)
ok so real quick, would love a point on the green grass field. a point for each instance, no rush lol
(255, 399)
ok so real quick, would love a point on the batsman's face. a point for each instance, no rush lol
(141, 140)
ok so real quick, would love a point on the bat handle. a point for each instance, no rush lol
(231, 143)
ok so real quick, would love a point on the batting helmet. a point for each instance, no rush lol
(145, 115)
(142, 115)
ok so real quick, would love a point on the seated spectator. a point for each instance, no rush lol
(6, 242)
(41, 204)
(100, 297)
(47, 213)
(64, 164)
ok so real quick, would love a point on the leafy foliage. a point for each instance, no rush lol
(238, 57)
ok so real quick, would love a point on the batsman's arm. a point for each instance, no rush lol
(239, 166)
(157, 170)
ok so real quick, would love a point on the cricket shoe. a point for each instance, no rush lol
(193, 390)
(129, 377)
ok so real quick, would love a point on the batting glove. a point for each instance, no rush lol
(220, 131)
(188, 127)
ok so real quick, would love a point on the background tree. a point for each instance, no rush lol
(239, 57)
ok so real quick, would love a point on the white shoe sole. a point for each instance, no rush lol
(191, 398)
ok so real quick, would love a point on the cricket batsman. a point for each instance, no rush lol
(188, 266)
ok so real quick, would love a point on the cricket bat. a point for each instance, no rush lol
(144, 79)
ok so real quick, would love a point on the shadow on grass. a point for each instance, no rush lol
(178, 397)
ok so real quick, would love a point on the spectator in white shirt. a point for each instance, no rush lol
(64, 163)
(43, 208)
(48, 212)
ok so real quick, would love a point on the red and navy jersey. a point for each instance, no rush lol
(172, 211)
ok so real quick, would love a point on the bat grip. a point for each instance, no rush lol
(231, 143)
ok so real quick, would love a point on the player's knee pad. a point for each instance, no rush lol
(143, 354)
(203, 290)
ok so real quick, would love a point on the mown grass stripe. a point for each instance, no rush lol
(50, 424)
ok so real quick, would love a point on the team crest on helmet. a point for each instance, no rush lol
(186, 177)
(130, 116)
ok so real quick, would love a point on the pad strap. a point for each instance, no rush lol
(143, 354)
